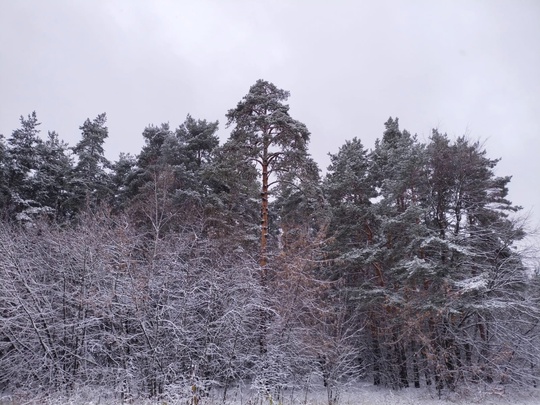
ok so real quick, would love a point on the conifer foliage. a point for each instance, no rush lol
(194, 266)
(266, 135)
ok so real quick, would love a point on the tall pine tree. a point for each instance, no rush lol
(92, 180)
(267, 136)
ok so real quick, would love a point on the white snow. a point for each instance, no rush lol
(363, 394)
(474, 283)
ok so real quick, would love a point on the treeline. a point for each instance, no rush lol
(195, 265)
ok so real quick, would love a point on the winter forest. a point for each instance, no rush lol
(197, 267)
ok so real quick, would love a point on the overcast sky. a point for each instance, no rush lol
(465, 67)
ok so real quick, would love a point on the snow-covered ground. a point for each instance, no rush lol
(359, 395)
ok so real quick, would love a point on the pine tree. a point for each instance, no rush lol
(300, 209)
(476, 267)
(54, 178)
(266, 135)
(178, 161)
(22, 166)
(148, 168)
(192, 152)
(22, 146)
(152, 152)
(124, 171)
(92, 182)
(232, 209)
(199, 139)
(349, 191)
(4, 178)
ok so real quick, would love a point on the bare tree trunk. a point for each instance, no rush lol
(416, 371)
(377, 358)
(264, 220)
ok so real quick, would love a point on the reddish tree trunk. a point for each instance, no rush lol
(264, 219)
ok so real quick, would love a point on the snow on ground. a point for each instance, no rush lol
(360, 395)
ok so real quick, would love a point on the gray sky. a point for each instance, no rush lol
(465, 67)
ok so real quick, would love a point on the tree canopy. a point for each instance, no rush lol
(195, 266)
